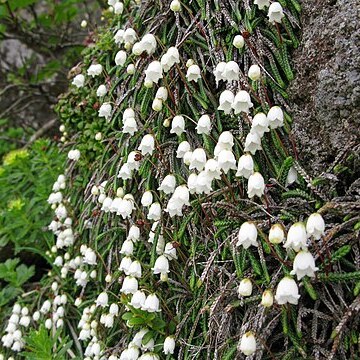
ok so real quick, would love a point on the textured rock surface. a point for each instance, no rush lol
(326, 90)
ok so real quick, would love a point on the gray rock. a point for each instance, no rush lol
(325, 94)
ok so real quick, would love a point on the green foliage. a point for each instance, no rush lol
(23, 208)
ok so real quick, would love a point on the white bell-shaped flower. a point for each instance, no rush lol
(154, 72)
(135, 269)
(212, 168)
(173, 54)
(219, 72)
(149, 43)
(182, 149)
(170, 251)
(94, 70)
(187, 158)
(174, 207)
(129, 286)
(125, 264)
(147, 198)
(132, 160)
(119, 37)
(152, 304)
(168, 184)
(120, 58)
(102, 300)
(193, 73)
(192, 183)
(182, 194)
(125, 172)
(198, 159)
(275, 117)
(130, 36)
(275, 13)
(203, 183)
(137, 48)
(138, 299)
(239, 41)
(130, 126)
(79, 81)
(226, 161)
(276, 234)
(161, 265)
(260, 124)
(231, 71)
(267, 298)
(204, 125)
(154, 212)
(254, 72)
(169, 345)
(162, 93)
(175, 6)
(248, 343)
(247, 235)
(101, 91)
(134, 233)
(105, 111)
(245, 287)
(127, 248)
(118, 8)
(226, 140)
(245, 166)
(292, 176)
(226, 101)
(252, 143)
(296, 237)
(304, 265)
(177, 125)
(315, 226)
(242, 102)
(256, 185)
(287, 291)
(147, 144)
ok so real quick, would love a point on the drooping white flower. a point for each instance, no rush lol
(125, 264)
(74, 155)
(134, 233)
(130, 36)
(260, 124)
(287, 291)
(129, 286)
(162, 93)
(248, 343)
(182, 194)
(182, 149)
(94, 70)
(154, 212)
(187, 158)
(152, 304)
(175, 6)
(226, 161)
(296, 237)
(177, 125)
(138, 299)
(118, 8)
(125, 172)
(119, 37)
(198, 159)
(90, 257)
(127, 248)
(212, 168)
(130, 69)
(204, 125)
(292, 176)
(102, 300)
(252, 143)
(169, 345)
(267, 298)
(245, 287)
(245, 166)
(79, 81)
(315, 226)
(161, 265)
(135, 269)
(231, 71)
(193, 73)
(154, 72)
(247, 235)
(147, 198)
(137, 48)
(130, 126)
(105, 111)
(174, 207)
(120, 58)
(170, 251)
(174, 56)
(219, 71)
(149, 43)
(304, 265)
(254, 72)
(203, 183)
(168, 184)
(256, 185)
(239, 41)
(276, 234)
(147, 144)
(275, 117)
(242, 102)
(275, 13)
(191, 183)
(262, 3)
(226, 101)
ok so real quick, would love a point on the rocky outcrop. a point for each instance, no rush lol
(326, 90)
